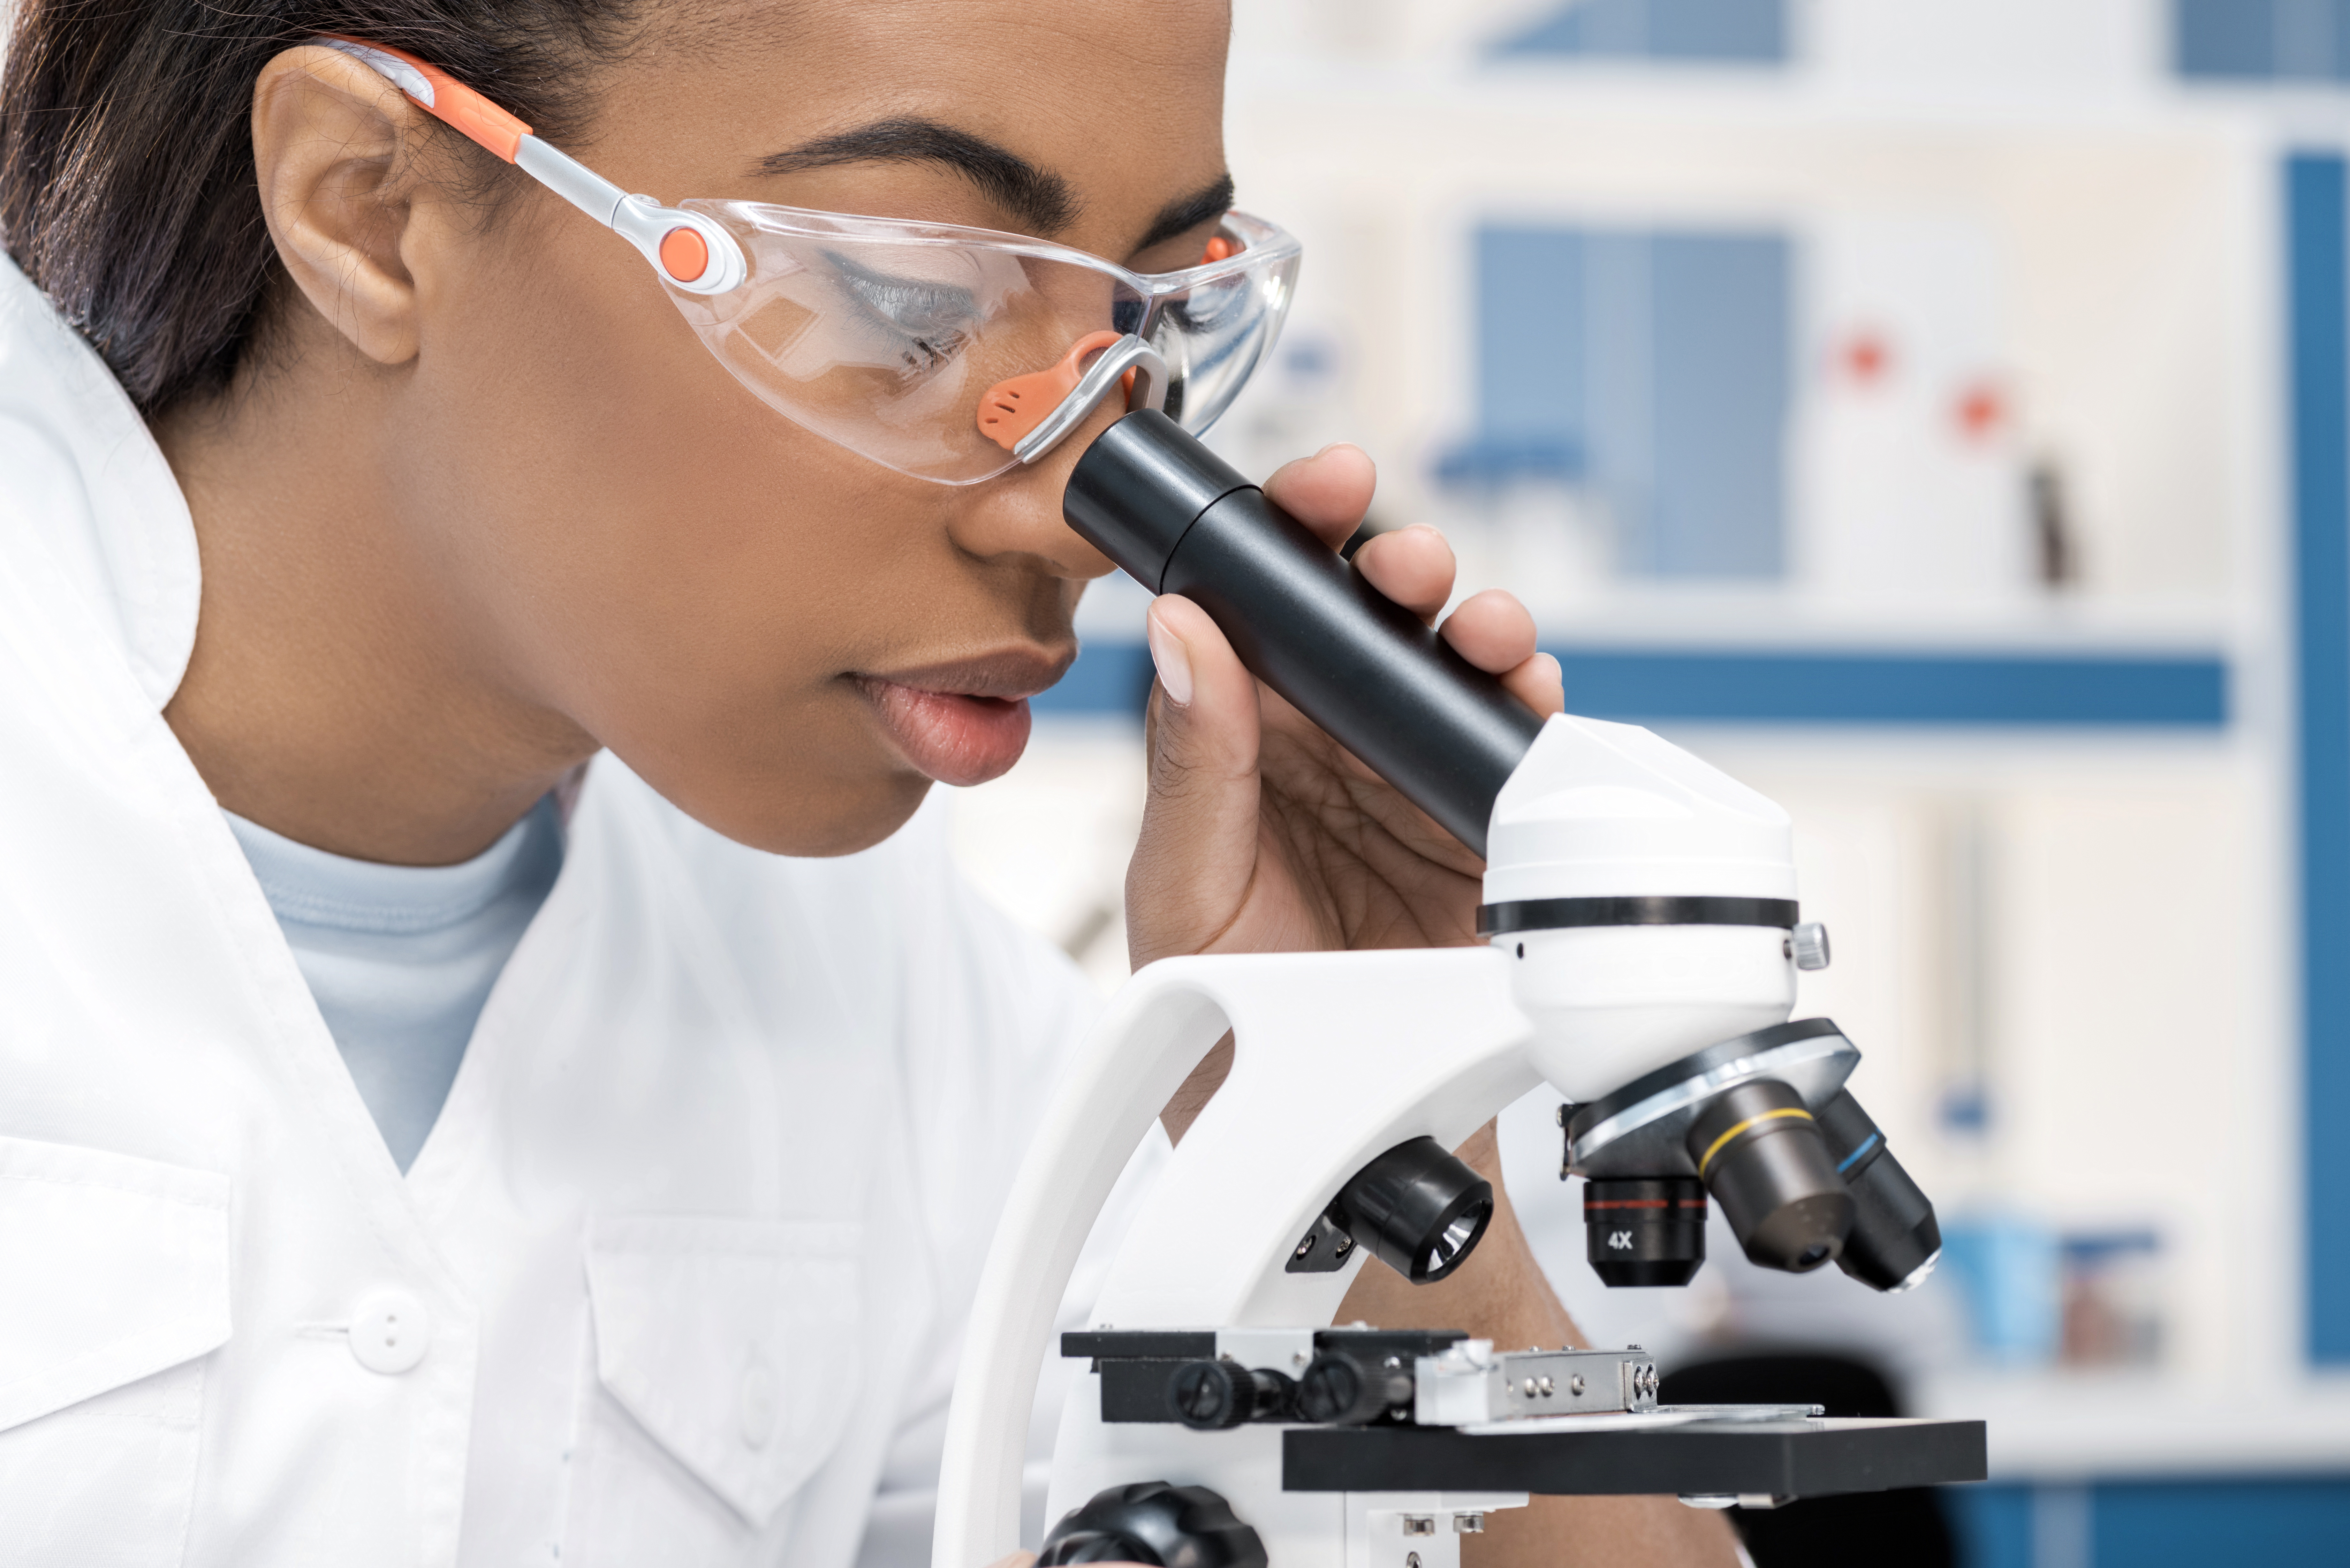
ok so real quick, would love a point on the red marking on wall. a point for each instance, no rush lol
(1981, 412)
(1864, 356)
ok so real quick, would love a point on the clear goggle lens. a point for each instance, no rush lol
(886, 337)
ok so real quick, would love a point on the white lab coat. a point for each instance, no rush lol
(686, 1256)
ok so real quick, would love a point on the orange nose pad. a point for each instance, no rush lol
(1011, 409)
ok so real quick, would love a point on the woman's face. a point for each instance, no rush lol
(787, 640)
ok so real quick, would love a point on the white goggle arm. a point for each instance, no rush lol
(689, 251)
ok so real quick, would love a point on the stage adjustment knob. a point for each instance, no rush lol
(1208, 1395)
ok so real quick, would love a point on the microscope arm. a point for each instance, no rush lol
(1339, 1057)
(1138, 1055)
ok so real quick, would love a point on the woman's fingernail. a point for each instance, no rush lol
(1174, 664)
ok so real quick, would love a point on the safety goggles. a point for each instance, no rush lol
(947, 353)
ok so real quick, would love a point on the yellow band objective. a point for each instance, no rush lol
(1750, 1121)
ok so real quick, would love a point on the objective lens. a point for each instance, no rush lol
(1646, 1231)
(1895, 1241)
(1422, 1210)
(1761, 1156)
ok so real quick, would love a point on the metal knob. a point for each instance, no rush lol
(1807, 944)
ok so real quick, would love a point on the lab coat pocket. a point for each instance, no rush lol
(114, 1279)
(732, 1343)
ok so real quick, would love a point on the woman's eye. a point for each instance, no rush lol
(1205, 309)
(930, 322)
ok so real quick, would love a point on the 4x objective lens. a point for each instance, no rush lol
(1760, 1153)
(1644, 1231)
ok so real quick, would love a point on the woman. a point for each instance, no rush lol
(498, 1068)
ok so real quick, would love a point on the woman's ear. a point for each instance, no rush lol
(335, 149)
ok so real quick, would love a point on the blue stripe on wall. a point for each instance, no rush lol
(1751, 686)
(2319, 359)
(1808, 687)
(2167, 1523)
(1709, 30)
(1993, 1523)
(2156, 1524)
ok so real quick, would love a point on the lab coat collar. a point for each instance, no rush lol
(70, 434)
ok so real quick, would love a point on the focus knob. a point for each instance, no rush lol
(1154, 1524)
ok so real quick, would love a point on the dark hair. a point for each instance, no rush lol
(127, 187)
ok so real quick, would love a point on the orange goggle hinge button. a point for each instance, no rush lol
(684, 254)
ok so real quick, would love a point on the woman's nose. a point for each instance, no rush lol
(1019, 512)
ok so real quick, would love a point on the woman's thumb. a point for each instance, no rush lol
(1203, 733)
(1194, 860)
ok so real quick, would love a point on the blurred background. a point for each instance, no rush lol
(1935, 413)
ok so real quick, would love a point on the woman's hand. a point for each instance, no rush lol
(1263, 834)
(1502, 1294)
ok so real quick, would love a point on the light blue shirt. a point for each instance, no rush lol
(401, 957)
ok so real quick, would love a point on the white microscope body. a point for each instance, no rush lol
(1339, 1057)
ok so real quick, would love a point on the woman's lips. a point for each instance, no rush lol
(962, 725)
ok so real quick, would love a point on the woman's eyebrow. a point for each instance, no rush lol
(1208, 203)
(1038, 197)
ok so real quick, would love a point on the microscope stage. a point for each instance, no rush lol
(1745, 1460)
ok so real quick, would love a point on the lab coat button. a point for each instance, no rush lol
(390, 1333)
(761, 1403)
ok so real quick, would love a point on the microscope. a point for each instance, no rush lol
(1642, 943)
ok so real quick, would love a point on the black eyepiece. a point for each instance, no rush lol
(1895, 1241)
(1422, 1210)
(1371, 673)
(1761, 1156)
(1644, 1231)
